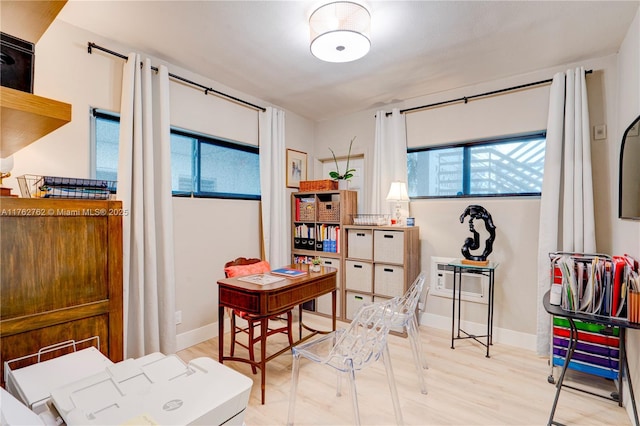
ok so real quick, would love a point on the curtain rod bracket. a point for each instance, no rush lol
(89, 48)
(206, 91)
(466, 100)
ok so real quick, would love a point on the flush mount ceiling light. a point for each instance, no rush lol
(340, 31)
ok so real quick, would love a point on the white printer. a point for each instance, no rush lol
(154, 389)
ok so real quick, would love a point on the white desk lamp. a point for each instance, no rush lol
(6, 165)
(398, 193)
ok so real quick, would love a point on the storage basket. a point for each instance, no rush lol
(371, 219)
(318, 185)
(33, 186)
(307, 211)
(329, 211)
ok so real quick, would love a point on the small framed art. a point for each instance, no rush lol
(296, 168)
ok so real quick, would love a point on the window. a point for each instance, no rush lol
(202, 166)
(499, 167)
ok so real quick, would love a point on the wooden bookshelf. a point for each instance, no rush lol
(331, 211)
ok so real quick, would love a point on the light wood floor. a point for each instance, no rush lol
(465, 387)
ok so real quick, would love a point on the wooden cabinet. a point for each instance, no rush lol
(61, 275)
(318, 230)
(26, 117)
(381, 263)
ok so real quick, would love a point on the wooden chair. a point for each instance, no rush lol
(252, 320)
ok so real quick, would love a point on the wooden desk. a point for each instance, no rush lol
(623, 323)
(273, 299)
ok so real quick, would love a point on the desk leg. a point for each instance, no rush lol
(299, 322)
(625, 366)
(264, 325)
(220, 333)
(573, 340)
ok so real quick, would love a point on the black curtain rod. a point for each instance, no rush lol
(467, 98)
(91, 45)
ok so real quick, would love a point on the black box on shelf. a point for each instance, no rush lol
(311, 244)
(17, 62)
(319, 246)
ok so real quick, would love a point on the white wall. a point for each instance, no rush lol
(626, 233)
(516, 219)
(208, 232)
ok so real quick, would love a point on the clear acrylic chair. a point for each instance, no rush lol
(406, 311)
(351, 349)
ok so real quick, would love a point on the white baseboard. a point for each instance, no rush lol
(500, 335)
(198, 335)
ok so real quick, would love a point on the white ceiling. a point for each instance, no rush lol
(418, 47)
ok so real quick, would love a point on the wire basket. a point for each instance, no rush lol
(371, 219)
(34, 186)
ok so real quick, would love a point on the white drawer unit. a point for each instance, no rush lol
(355, 301)
(360, 244)
(382, 262)
(358, 275)
(388, 280)
(388, 246)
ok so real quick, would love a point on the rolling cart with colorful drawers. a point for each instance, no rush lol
(592, 300)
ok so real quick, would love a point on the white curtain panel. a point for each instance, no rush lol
(144, 187)
(273, 187)
(389, 160)
(567, 220)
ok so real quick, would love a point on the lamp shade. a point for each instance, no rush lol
(398, 192)
(340, 31)
(6, 164)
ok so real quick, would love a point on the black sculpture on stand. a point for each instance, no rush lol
(478, 212)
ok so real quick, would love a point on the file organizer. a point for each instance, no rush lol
(595, 284)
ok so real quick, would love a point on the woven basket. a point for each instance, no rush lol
(318, 185)
(307, 212)
(329, 211)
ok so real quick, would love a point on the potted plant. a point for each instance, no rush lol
(348, 174)
(315, 264)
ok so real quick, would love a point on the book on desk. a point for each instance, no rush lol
(289, 272)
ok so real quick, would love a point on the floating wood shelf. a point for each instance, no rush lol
(28, 20)
(27, 117)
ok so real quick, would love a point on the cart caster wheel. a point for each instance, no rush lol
(615, 396)
(551, 380)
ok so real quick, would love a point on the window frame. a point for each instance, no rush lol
(466, 164)
(200, 139)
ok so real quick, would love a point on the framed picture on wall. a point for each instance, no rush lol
(296, 168)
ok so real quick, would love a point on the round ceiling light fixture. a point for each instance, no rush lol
(340, 31)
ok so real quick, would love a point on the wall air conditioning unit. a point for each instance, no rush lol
(475, 287)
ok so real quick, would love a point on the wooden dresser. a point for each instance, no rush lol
(60, 275)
